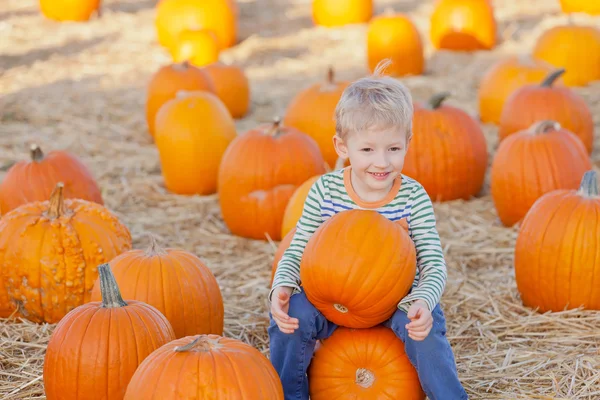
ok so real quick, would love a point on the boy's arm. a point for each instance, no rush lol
(430, 257)
(288, 268)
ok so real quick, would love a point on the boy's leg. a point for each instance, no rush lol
(432, 357)
(291, 352)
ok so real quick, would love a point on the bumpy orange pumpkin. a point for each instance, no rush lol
(232, 87)
(174, 281)
(532, 103)
(198, 46)
(312, 111)
(49, 252)
(192, 133)
(585, 6)
(169, 80)
(259, 172)
(356, 268)
(205, 367)
(447, 153)
(96, 348)
(341, 12)
(503, 78)
(394, 36)
(363, 364)
(575, 48)
(34, 180)
(533, 162)
(463, 25)
(557, 260)
(69, 10)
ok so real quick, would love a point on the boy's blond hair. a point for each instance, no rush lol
(376, 101)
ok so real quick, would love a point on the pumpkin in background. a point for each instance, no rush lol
(532, 103)
(192, 133)
(533, 162)
(283, 245)
(503, 78)
(96, 348)
(466, 25)
(28, 181)
(174, 16)
(448, 151)
(575, 48)
(394, 36)
(356, 268)
(363, 364)
(232, 87)
(169, 80)
(174, 281)
(206, 367)
(49, 252)
(585, 6)
(259, 172)
(199, 47)
(69, 10)
(312, 111)
(341, 12)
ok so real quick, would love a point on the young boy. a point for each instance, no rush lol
(373, 130)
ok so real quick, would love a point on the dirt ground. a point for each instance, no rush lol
(82, 87)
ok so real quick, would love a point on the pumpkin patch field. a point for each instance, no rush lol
(149, 150)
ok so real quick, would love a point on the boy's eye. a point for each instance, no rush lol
(366, 149)
(395, 149)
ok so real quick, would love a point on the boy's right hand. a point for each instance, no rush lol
(280, 305)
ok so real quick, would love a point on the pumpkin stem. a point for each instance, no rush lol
(57, 204)
(330, 75)
(544, 126)
(589, 184)
(36, 153)
(550, 79)
(436, 100)
(274, 131)
(154, 249)
(111, 296)
(201, 343)
(364, 378)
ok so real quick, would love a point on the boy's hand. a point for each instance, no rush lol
(421, 320)
(280, 304)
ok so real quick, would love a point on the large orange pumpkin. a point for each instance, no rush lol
(192, 134)
(174, 281)
(341, 12)
(312, 111)
(69, 10)
(575, 48)
(395, 36)
(198, 46)
(463, 25)
(532, 103)
(232, 87)
(586, 6)
(447, 153)
(169, 80)
(96, 348)
(557, 260)
(49, 252)
(504, 77)
(259, 172)
(356, 268)
(363, 364)
(28, 181)
(533, 162)
(205, 367)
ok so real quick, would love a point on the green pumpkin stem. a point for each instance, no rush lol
(57, 204)
(551, 78)
(589, 184)
(201, 343)
(436, 100)
(36, 153)
(111, 296)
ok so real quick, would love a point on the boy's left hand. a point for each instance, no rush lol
(421, 321)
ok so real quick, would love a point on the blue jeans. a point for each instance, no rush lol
(432, 357)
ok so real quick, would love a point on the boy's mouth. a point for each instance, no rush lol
(380, 176)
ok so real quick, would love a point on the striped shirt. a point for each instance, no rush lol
(333, 193)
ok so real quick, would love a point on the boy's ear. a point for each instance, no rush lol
(340, 147)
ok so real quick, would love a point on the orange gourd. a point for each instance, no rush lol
(575, 48)
(532, 103)
(356, 268)
(363, 364)
(466, 25)
(198, 46)
(394, 36)
(169, 80)
(232, 87)
(205, 367)
(96, 348)
(503, 78)
(447, 153)
(192, 133)
(332, 13)
(49, 252)
(533, 162)
(28, 181)
(586, 6)
(283, 245)
(557, 262)
(69, 10)
(174, 281)
(259, 172)
(312, 111)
